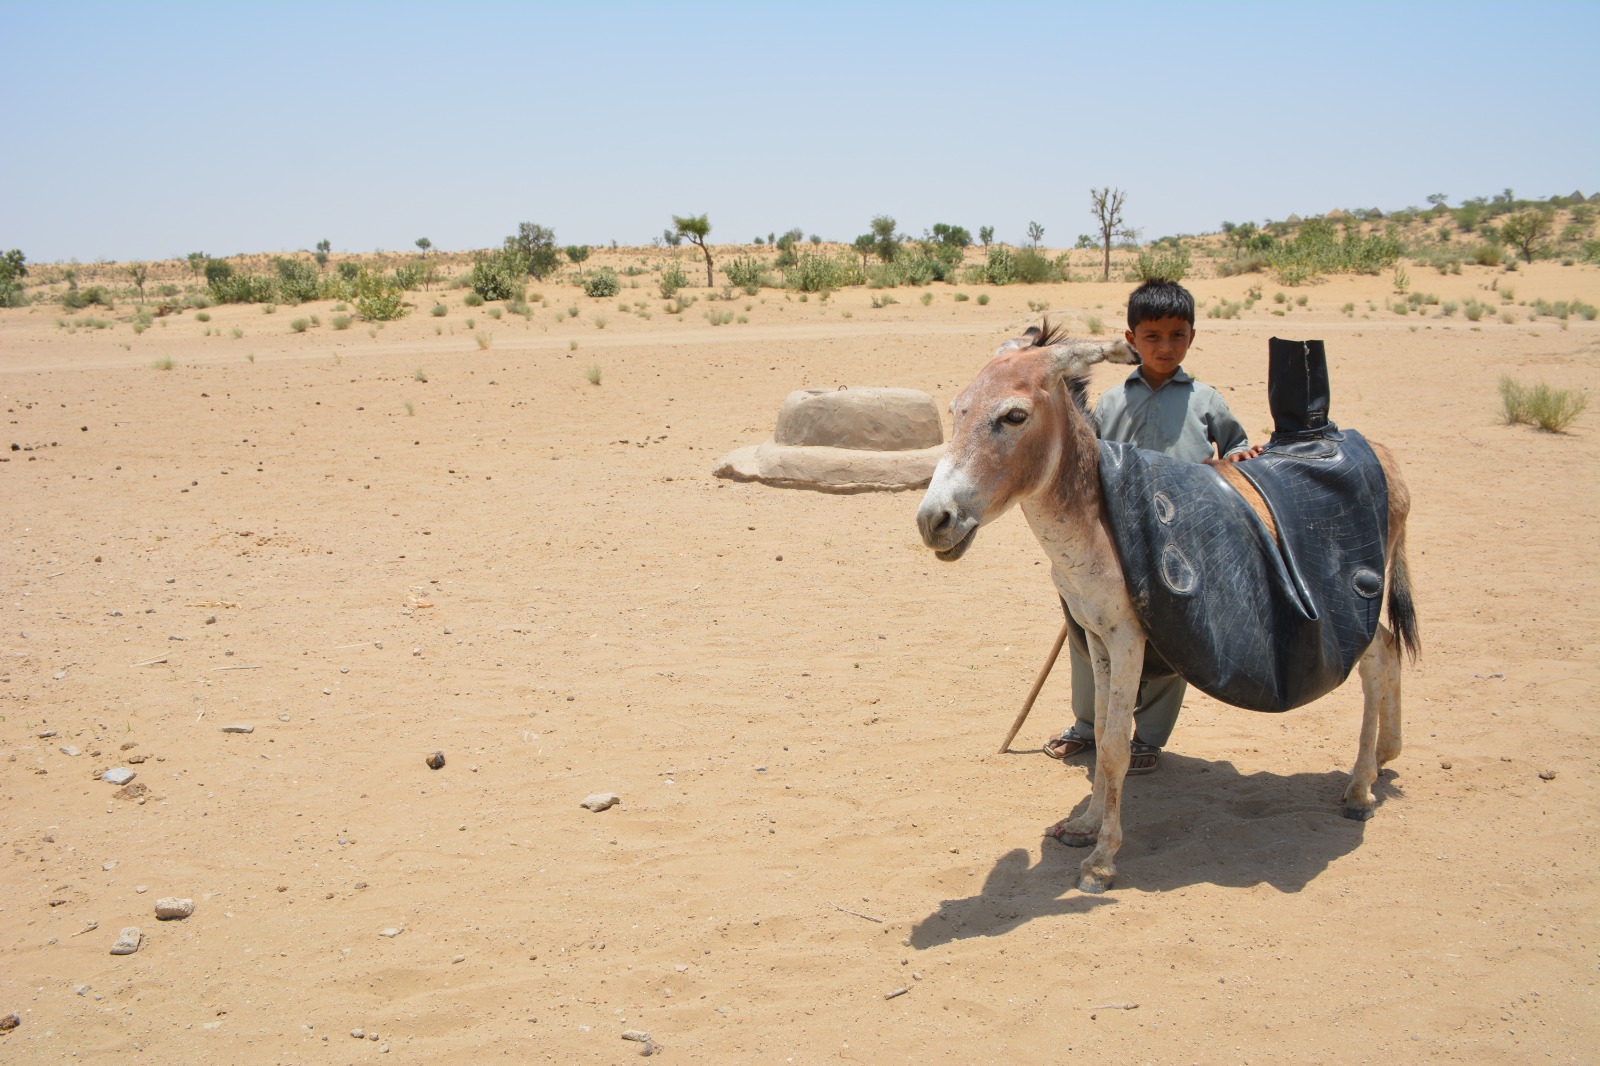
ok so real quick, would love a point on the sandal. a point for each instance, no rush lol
(1067, 745)
(1144, 758)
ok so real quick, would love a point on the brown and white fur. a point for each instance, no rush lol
(1022, 435)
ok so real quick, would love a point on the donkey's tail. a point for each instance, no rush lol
(1402, 609)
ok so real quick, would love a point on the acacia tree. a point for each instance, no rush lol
(1106, 206)
(883, 239)
(321, 256)
(536, 245)
(863, 247)
(1526, 231)
(424, 244)
(986, 235)
(1035, 233)
(696, 228)
(197, 262)
(140, 273)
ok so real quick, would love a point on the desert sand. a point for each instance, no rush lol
(797, 704)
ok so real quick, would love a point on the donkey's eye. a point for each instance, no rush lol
(1014, 417)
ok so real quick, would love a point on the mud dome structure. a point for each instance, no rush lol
(846, 440)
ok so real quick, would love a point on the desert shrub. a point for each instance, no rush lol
(341, 321)
(1473, 310)
(473, 299)
(1031, 268)
(1486, 254)
(1001, 268)
(300, 325)
(744, 271)
(1224, 308)
(1540, 405)
(1161, 264)
(819, 272)
(298, 281)
(1316, 249)
(672, 279)
(926, 298)
(243, 288)
(1249, 264)
(1448, 308)
(498, 277)
(983, 299)
(412, 275)
(379, 297)
(603, 282)
(534, 246)
(217, 270)
(13, 268)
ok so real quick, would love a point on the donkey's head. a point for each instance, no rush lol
(1010, 427)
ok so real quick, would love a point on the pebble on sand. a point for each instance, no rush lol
(171, 907)
(601, 801)
(9, 1022)
(120, 776)
(435, 761)
(238, 729)
(127, 941)
(392, 931)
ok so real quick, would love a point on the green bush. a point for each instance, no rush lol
(243, 288)
(818, 272)
(1165, 264)
(603, 282)
(498, 277)
(1031, 268)
(745, 271)
(298, 281)
(341, 321)
(1001, 268)
(472, 299)
(672, 279)
(1316, 249)
(13, 268)
(1540, 405)
(379, 298)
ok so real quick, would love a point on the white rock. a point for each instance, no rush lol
(391, 932)
(238, 729)
(68, 749)
(127, 941)
(170, 907)
(601, 801)
(119, 776)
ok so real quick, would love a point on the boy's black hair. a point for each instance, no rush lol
(1160, 299)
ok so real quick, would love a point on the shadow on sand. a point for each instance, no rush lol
(1195, 822)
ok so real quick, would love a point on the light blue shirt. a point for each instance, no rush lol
(1183, 418)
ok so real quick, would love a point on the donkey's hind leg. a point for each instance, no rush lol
(1380, 722)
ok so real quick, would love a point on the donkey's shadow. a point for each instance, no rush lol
(1196, 822)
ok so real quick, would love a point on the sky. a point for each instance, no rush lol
(151, 130)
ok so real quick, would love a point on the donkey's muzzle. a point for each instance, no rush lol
(945, 530)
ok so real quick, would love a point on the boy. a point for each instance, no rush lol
(1162, 408)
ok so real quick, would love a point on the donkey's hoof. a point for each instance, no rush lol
(1358, 814)
(1095, 881)
(1072, 838)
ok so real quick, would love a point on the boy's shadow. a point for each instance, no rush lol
(1195, 822)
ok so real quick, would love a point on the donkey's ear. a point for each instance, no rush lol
(1077, 356)
(1029, 338)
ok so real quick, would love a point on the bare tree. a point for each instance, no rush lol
(696, 228)
(140, 273)
(1035, 233)
(1106, 206)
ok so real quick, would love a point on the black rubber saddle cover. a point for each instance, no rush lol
(1241, 620)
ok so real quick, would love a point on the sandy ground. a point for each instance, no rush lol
(798, 705)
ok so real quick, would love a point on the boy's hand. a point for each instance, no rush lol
(1239, 457)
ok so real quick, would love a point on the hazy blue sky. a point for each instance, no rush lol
(144, 130)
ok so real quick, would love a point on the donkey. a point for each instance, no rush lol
(1022, 434)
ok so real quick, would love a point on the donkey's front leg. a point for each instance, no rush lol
(1113, 734)
(1380, 722)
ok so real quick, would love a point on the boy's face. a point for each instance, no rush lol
(1161, 343)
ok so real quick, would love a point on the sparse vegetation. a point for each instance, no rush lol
(602, 283)
(593, 373)
(1540, 405)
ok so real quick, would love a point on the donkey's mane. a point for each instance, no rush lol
(1077, 385)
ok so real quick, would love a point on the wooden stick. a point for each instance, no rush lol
(1038, 683)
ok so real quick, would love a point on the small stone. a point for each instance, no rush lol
(127, 941)
(458, 960)
(141, 889)
(601, 801)
(895, 992)
(46, 734)
(9, 1022)
(372, 1036)
(283, 717)
(119, 776)
(68, 749)
(435, 761)
(136, 791)
(109, 866)
(1547, 775)
(1445, 765)
(358, 1034)
(82, 990)
(638, 1035)
(238, 729)
(391, 932)
(171, 907)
